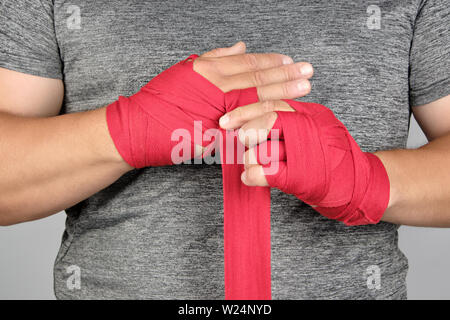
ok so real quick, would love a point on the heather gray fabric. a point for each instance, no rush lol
(158, 232)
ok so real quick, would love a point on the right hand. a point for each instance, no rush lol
(218, 81)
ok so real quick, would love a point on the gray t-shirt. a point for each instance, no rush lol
(158, 232)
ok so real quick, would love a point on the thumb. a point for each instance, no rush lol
(237, 48)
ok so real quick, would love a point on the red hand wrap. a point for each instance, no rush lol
(326, 168)
(141, 125)
(141, 128)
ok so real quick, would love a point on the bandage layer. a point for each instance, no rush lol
(322, 165)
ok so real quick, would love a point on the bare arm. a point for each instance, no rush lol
(420, 178)
(49, 163)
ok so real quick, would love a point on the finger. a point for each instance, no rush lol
(237, 48)
(286, 90)
(265, 153)
(237, 117)
(300, 70)
(257, 130)
(276, 133)
(254, 176)
(242, 63)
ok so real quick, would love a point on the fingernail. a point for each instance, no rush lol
(306, 70)
(303, 85)
(287, 60)
(224, 120)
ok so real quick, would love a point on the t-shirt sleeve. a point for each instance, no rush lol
(27, 38)
(429, 77)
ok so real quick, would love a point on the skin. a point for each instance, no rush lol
(419, 178)
(52, 162)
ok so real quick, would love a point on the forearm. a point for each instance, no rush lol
(49, 164)
(420, 184)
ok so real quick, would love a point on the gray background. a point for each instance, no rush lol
(28, 250)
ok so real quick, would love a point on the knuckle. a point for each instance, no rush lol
(251, 61)
(288, 73)
(268, 106)
(258, 79)
(285, 90)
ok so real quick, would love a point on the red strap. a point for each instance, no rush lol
(246, 236)
(141, 128)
